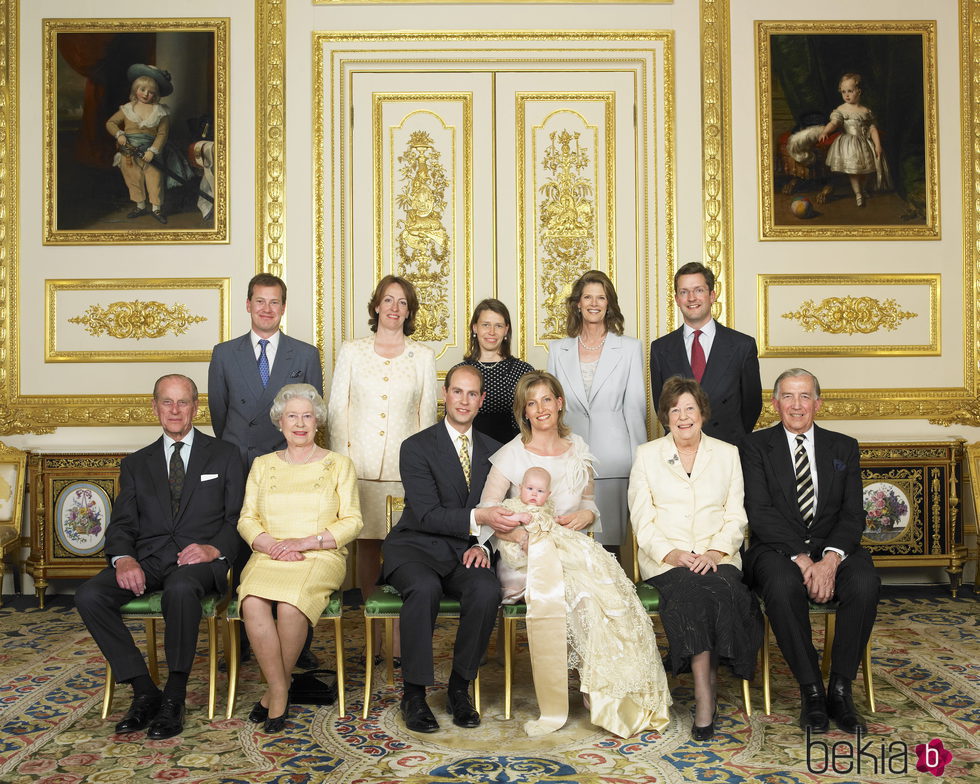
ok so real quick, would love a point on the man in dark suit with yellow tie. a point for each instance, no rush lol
(433, 550)
(805, 505)
(173, 528)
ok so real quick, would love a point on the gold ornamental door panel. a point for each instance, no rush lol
(492, 168)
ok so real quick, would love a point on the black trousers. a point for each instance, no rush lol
(780, 583)
(98, 601)
(421, 587)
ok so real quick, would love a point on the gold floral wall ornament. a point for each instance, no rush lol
(137, 320)
(850, 315)
(424, 248)
(567, 225)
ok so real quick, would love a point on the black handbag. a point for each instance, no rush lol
(307, 689)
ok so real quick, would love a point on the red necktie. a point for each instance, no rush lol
(698, 361)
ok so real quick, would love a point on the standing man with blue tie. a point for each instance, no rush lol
(245, 375)
(724, 362)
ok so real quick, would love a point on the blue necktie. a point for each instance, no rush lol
(264, 363)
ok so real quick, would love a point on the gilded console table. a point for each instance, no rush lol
(911, 504)
(71, 501)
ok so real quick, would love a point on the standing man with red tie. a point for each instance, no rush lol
(724, 362)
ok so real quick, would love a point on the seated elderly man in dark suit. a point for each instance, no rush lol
(433, 551)
(173, 528)
(804, 501)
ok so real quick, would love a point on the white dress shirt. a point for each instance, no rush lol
(706, 338)
(270, 350)
(812, 457)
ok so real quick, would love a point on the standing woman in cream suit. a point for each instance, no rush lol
(606, 400)
(686, 504)
(384, 390)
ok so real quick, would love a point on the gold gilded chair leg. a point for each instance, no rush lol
(368, 664)
(338, 636)
(212, 665)
(151, 650)
(746, 697)
(766, 697)
(508, 662)
(830, 628)
(476, 691)
(232, 657)
(110, 688)
(869, 688)
(389, 648)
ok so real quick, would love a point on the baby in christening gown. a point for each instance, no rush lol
(610, 639)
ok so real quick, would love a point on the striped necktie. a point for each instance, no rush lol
(804, 481)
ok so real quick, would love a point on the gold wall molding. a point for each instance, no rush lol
(863, 313)
(270, 137)
(849, 315)
(136, 319)
(716, 151)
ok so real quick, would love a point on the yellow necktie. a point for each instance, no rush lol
(464, 458)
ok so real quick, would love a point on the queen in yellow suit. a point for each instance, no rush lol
(301, 510)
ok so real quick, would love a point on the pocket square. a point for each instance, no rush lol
(839, 465)
(296, 374)
(208, 477)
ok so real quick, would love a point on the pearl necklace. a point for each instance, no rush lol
(593, 348)
(309, 456)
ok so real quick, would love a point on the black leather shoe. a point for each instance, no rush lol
(136, 212)
(840, 706)
(814, 711)
(159, 216)
(307, 660)
(143, 708)
(169, 720)
(258, 714)
(707, 732)
(275, 724)
(417, 715)
(461, 708)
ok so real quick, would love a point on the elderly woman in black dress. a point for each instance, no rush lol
(685, 499)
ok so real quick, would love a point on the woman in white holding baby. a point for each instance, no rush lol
(582, 610)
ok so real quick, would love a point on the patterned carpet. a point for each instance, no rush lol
(926, 672)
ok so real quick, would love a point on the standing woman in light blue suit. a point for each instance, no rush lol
(605, 393)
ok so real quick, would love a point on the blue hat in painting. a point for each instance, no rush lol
(161, 77)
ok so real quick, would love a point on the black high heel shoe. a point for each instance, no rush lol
(276, 724)
(705, 733)
(259, 713)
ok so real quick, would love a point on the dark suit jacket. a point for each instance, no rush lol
(731, 379)
(775, 520)
(435, 527)
(239, 404)
(142, 524)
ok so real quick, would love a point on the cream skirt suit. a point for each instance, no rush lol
(375, 404)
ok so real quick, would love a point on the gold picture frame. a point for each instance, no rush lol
(857, 322)
(820, 174)
(87, 78)
(137, 319)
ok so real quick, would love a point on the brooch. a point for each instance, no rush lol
(673, 460)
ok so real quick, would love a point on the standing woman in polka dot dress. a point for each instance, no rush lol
(490, 354)
(601, 371)
(384, 390)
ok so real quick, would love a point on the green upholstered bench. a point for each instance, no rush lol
(333, 611)
(149, 609)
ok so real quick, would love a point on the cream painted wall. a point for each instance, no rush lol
(237, 258)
